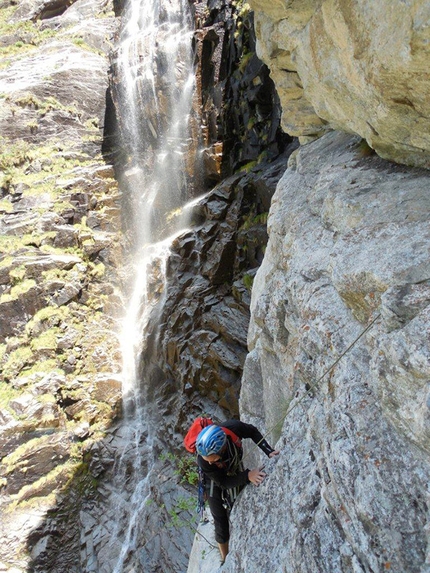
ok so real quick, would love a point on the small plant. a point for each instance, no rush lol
(13, 154)
(185, 467)
(246, 58)
(252, 219)
(248, 166)
(32, 125)
(248, 281)
(184, 504)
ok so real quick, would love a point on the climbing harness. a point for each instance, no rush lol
(235, 458)
(235, 465)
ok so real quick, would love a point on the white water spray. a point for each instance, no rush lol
(155, 65)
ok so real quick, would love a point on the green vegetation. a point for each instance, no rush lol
(252, 219)
(23, 35)
(7, 393)
(17, 157)
(46, 341)
(244, 61)
(47, 317)
(248, 166)
(5, 205)
(183, 504)
(242, 8)
(18, 290)
(185, 467)
(42, 106)
(13, 154)
(248, 281)
(16, 361)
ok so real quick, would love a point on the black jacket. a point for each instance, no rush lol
(222, 476)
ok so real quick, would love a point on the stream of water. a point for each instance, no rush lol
(155, 67)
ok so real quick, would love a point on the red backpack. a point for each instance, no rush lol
(195, 429)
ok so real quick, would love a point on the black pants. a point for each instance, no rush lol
(220, 515)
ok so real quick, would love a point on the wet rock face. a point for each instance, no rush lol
(355, 66)
(201, 337)
(195, 342)
(195, 346)
(202, 330)
(239, 106)
(348, 492)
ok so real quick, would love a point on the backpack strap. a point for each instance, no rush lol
(234, 438)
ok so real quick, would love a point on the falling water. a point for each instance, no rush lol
(155, 66)
(157, 81)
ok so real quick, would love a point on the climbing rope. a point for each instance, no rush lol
(314, 386)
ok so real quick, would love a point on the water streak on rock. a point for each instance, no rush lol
(154, 64)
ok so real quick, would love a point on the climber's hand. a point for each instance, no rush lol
(256, 476)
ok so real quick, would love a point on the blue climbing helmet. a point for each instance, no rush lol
(211, 440)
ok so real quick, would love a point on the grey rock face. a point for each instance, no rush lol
(348, 239)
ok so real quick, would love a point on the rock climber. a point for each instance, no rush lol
(220, 458)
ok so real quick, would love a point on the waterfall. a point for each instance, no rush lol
(154, 64)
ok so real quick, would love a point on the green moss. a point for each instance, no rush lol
(252, 220)
(98, 271)
(6, 206)
(50, 365)
(16, 361)
(16, 157)
(245, 8)
(56, 480)
(29, 34)
(14, 154)
(7, 393)
(46, 341)
(54, 274)
(42, 106)
(18, 290)
(248, 281)
(78, 41)
(244, 61)
(17, 274)
(248, 167)
(9, 244)
(251, 123)
(92, 123)
(50, 315)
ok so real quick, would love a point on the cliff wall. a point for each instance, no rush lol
(348, 242)
(359, 66)
(348, 245)
(60, 251)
